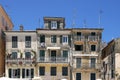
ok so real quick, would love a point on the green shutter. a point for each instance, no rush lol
(58, 24)
(69, 40)
(49, 24)
(60, 38)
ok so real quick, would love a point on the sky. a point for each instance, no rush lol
(30, 14)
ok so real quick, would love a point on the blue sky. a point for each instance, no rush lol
(28, 13)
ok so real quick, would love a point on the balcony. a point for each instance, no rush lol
(79, 38)
(93, 38)
(20, 61)
(87, 66)
(53, 60)
(81, 53)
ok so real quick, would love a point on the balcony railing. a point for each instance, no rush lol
(53, 59)
(93, 38)
(79, 38)
(87, 66)
(20, 61)
(81, 53)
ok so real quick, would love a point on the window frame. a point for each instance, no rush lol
(14, 41)
(53, 24)
(64, 71)
(41, 71)
(65, 39)
(93, 47)
(27, 41)
(53, 38)
(53, 71)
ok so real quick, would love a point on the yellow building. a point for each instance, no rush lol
(54, 42)
(86, 48)
(5, 24)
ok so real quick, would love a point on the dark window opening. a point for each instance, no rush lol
(78, 47)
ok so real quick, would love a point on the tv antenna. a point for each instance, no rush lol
(74, 17)
(100, 13)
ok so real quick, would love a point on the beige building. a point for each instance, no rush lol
(54, 42)
(5, 24)
(21, 48)
(111, 60)
(86, 48)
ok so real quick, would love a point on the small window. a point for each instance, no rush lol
(93, 47)
(41, 71)
(65, 39)
(53, 39)
(27, 55)
(93, 33)
(65, 71)
(78, 62)
(78, 33)
(42, 55)
(14, 55)
(42, 38)
(14, 41)
(28, 41)
(78, 76)
(65, 53)
(78, 47)
(93, 76)
(53, 71)
(53, 24)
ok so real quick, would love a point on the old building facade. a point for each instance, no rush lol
(21, 48)
(86, 48)
(5, 24)
(111, 61)
(54, 52)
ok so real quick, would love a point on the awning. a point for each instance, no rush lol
(53, 48)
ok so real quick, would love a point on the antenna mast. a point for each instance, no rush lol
(100, 18)
(74, 16)
(39, 22)
(84, 23)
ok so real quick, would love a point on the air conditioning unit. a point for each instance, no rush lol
(42, 44)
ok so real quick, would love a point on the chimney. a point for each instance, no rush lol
(21, 27)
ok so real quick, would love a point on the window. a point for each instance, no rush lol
(93, 47)
(112, 73)
(14, 41)
(28, 41)
(78, 33)
(65, 39)
(53, 71)
(27, 55)
(42, 55)
(65, 71)
(78, 76)
(93, 33)
(92, 76)
(41, 71)
(93, 62)
(14, 73)
(78, 62)
(78, 47)
(42, 38)
(65, 53)
(53, 39)
(53, 24)
(14, 55)
(28, 73)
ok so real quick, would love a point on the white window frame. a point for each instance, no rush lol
(65, 39)
(53, 24)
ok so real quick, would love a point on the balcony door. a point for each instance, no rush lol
(93, 62)
(53, 55)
